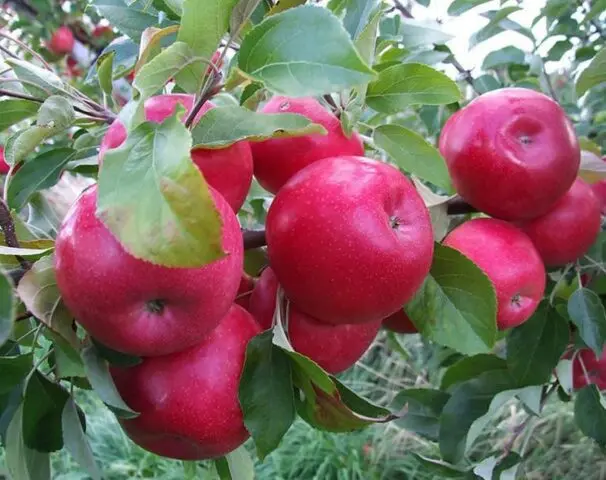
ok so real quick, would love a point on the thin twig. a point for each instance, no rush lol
(25, 47)
(8, 52)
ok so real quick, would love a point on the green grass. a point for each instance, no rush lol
(552, 445)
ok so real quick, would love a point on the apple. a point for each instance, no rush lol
(134, 306)
(349, 239)
(188, 401)
(278, 159)
(216, 61)
(334, 347)
(566, 231)
(399, 322)
(72, 67)
(62, 41)
(511, 153)
(102, 31)
(4, 167)
(228, 170)
(594, 366)
(599, 189)
(509, 260)
(247, 285)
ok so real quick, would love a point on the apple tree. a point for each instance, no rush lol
(342, 179)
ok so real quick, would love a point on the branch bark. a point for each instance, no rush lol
(8, 230)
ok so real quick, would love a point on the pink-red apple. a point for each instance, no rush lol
(334, 347)
(135, 306)
(188, 401)
(511, 153)
(349, 239)
(228, 170)
(399, 322)
(4, 167)
(509, 260)
(62, 41)
(586, 366)
(566, 231)
(278, 159)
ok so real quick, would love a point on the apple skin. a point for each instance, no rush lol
(399, 322)
(334, 347)
(4, 167)
(333, 247)
(599, 189)
(247, 285)
(110, 292)
(188, 401)
(511, 153)
(567, 231)
(596, 369)
(228, 170)
(62, 41)
(510, 261)
(276, 160)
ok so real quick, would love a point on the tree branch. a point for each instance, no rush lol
(10, 237)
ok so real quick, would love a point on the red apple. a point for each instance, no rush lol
(566, 231)
(599, 189)
(228, 170)
(62, 41)
(4, 167)
(278, 159)
(349, 239)
(134, 306)
(593, 366)
(334, 347)
(102, 30)
(399, 322)
(216, 61)
(511, 153)
(72, 67)
(247, 284)
(188, 401)
(509, 260)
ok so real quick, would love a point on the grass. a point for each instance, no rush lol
(552, 445)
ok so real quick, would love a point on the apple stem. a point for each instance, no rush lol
(10, 237)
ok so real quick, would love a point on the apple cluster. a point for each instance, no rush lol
(349, 242)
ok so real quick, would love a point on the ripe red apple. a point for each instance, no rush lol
(62, 41)
(134, 306)
(509, 260)
(188, 401)
(228, 170)
(247, 285)
(102, 30)
(399, 322)
(599, 189)
(216, 61)
(334, 347)
(349, 239)
(73, 68)
(595, 368)
(511, 153)
(4, 167)
(566, 231)
(278, 159)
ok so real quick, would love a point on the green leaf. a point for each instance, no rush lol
(14, 370)
(114, 357)
(456, 306)
(408, 84)
(587, 312)
(357, 14)
(169, 218)
(16, 110)
(130, 17)
(558, 50)
(203, 24)
(55, 115)
(75, 440)
(457, 7)
(42, 408)
(469, 401)
(39, 292)
(22, 462)
(470, 367)
(97, 372)
(7, 307)
(415, 34)
(590, 413)
(223, 126)
(497, 24)
(266, 393)
(498, 468)
(597, 7)
(302, 51)
(282, 5)
(39, 173)
(241, 14)
(593, 75)
(440, 469)
(504, 56)
(125, 56)
(412, 153)
(48, 83)
(534, 348)
(105, 68)
(486, 83)
(424, 407)
(153, 75)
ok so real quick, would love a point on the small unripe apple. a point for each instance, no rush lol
(228, 170)
(4, 167)
(134, 306)
(349, 239)
(334, 347)
(587, 366)
(278, 159)
(511, 153)
(566, 231)
(188, 401)
(509, 260)
(62, 41)
(399, 322)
